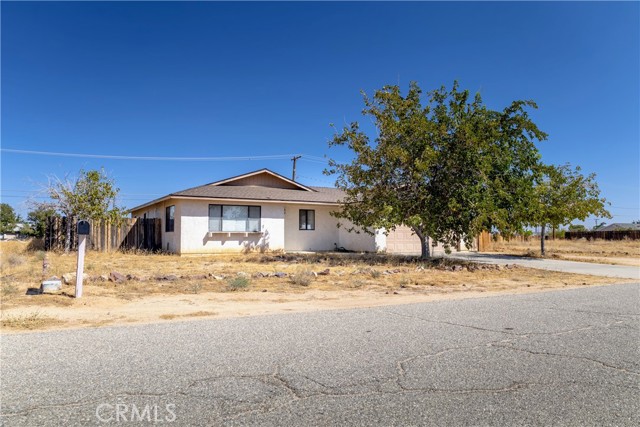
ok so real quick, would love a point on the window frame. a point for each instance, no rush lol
(248, 219)
(170, 219)
(306, 219)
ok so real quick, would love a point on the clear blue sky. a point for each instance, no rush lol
(219, 79)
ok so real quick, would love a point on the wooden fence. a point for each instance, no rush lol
(605, 235)
(133, 233)
(485, 239)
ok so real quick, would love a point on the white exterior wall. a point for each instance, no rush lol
(323, 238)
(359, 242)
(195, 238)
(326, 236)
(279, 224)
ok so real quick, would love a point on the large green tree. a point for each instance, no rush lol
(448, 168)
(8, 218)
(91, 196)
(563, 195)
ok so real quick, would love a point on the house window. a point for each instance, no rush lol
(170, 214)
(230, 218)
(307, 219)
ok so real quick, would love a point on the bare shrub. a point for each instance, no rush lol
(238, 283)
(15, 260)
(302, 277)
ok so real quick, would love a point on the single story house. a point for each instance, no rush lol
(619, 226)
(262, 210)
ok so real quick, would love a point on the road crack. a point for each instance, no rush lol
(569, 356)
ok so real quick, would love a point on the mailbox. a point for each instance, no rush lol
(84, 227)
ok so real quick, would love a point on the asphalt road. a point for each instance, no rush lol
(556, 358)
(607, 270)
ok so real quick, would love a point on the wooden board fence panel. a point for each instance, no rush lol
(484, 240)
(131, 234)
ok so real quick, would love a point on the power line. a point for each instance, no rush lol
(323, 162)
(148, 158)
(37, 191)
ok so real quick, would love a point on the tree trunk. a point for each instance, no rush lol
(424, 244)
(553, 232)
(424, 247)
(544, 226)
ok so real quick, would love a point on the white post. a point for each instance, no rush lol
(82, 243)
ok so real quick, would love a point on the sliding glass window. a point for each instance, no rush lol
(229, 218)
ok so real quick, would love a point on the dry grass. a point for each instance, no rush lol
(194, 314)
(198, 278)
(30, 321)
(605, 251)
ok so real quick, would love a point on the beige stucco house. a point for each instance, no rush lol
(263, 210)
(259, 210)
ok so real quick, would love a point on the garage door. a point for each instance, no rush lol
(403, 241)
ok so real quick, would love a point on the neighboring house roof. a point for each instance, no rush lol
(619, 226)
(261, 185)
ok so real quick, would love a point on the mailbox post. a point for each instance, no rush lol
(83, 231)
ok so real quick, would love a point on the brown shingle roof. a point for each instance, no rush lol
(220, 190)
(319, 195)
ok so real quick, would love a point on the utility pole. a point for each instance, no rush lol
(294, 159)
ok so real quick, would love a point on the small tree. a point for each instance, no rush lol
(577, 227)
(91, 196)
(38, 217)
(448, 169)
(565, 195)
(8, 218)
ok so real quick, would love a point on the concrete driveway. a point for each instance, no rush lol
(620, 271)
(567, 357)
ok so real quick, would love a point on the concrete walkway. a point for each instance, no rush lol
(620, 271)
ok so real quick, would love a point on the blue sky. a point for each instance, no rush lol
(211, 79)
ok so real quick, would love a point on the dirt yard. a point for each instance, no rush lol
(621, 252)
(131, 288)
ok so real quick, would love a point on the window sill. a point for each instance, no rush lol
(230, 233)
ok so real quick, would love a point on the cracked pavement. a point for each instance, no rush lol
(566, 357)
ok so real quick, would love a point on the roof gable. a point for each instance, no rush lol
(262, 185)
(262, 178)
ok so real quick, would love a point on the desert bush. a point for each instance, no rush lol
(302, 277)
(357, 284)
(14, 260)
(238, 283)
(35, 245)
